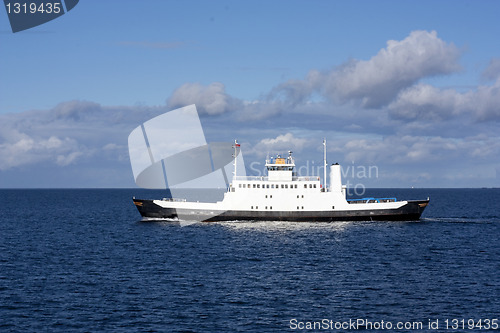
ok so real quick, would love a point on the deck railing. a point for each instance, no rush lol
(370, 200)
(265, 178)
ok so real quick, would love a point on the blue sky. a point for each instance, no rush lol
(410, 87)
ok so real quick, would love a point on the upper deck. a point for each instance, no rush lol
(280, 168)
(266, 178)
(279, 163)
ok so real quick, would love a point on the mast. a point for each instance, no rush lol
(324, 164)
(235, 146)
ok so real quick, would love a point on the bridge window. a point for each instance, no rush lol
(305, 185)
(314, 185)
(310, 185)
(258, 185)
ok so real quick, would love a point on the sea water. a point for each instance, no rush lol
(82, 261)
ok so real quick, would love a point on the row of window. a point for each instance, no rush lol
(271, 207)
(270, 196)
(257, 207)
(273, 185)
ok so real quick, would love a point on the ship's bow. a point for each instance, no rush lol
(147, 208)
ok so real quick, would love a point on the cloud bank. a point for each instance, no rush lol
(376, 111)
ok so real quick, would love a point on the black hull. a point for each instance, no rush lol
(147, 208)
(409, 212)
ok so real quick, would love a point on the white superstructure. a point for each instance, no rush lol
(282, 190)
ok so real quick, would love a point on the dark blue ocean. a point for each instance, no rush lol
(82, 261)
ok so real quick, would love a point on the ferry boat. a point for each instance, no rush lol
(284, 196)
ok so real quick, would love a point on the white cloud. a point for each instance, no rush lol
(27, 150)
(69, 133)
(427, 103)
(401, 64)
(281, 143)
(64, 160)
(373, 83)
(408, 150)
(211, 99)
(492, 72)
(485, 102)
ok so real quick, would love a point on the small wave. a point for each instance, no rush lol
(163, 219)
(462, 219)
(283, 225)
